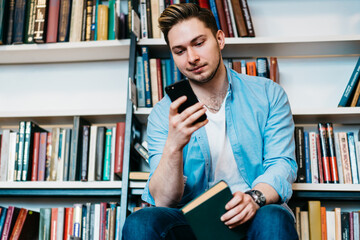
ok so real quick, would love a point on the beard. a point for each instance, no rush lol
(208, 79)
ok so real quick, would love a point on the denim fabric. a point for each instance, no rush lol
(156, 223)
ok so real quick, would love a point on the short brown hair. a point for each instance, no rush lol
(179, 12)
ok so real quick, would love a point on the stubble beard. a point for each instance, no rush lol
(208, 79)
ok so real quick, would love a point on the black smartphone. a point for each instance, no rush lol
(183, 88)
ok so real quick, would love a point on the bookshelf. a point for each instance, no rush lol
(317, 45)
(317, 48)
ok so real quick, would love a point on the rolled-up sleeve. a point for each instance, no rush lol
(157, 132)
(279, 162)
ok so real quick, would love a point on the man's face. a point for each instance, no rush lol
(196, 51)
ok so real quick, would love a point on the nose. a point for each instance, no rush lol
(193, 57)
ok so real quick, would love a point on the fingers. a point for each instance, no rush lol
(240, 209)
(176, 104)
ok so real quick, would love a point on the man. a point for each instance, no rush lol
(247, 140)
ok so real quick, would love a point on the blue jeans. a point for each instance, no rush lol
(270, 222)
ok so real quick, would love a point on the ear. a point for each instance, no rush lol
(220, 37)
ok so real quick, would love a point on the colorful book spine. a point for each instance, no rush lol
(313, 158)
(352, 155)
(307, 157)
(30, 21)
(40, 21)
(53, 21)
(145, 55)
(350, 87)
(324, 152)
(345, 158)
(332, 153)
(64, 21)
(215, 13)
(107, 155)
(140, 82)
(20, 157)
(300, 154)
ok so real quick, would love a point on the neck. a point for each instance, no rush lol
(212, 93)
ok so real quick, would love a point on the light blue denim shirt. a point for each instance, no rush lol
(260, 128)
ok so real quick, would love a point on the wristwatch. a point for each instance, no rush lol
(258, 197)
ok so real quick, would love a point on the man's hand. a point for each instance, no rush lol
(240, 209)
(181, 125)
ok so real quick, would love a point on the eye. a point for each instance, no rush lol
(199, 43)
(178, 52)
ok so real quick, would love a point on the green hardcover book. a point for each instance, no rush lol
(107, 155)
(204, 212)
(111, 32)
(45, 223)
(30, 22)
(20, 153)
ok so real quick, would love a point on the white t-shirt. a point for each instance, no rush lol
(223, 165)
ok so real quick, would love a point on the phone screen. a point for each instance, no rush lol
(183, 88)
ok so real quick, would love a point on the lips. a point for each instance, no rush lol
(197, 69)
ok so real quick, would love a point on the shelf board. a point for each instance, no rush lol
(63, 189)
(9, 120)
(65, 52)
(326, 191)
(301, 46)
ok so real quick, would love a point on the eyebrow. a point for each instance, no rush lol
(192, 41)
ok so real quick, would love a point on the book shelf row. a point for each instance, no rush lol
(81, 221)
(232, 16)
(314, 221)
(61, 21)
(84, 153)
(154, 74)
(326, 155)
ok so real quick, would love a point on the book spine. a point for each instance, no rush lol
(251, 68)
(300, 154)
(318, 156)
(119, 148)
(323, 223)
(20, 157)
(52, 21)
(54, 223)
(215, 13)
(102, 22)
(103, 206)
(313, 158)
(92, 153)
(85, 151)
(27, 147)
(14, 139)
(345, 226)
(222, 17)
(89, 17)
(10, 23)
(48, 156)
(107, 156)
(76, 21)
(77, 220)
(143, 19)
(345, 159)
(262, 69)
(68, 225)
(314, 219)
(4, 151)
(228, 18)
(99, 161)
(40, 21)
(246, 12)
(83, 21)
(30, 21)
(324, 152)
(232, 18)
(140, 82)
(3, 21)
(112, 19)
(19, 223)
(64, 21)
(148, 102)
(54, 154)
(94, 20)
(67, 154)
(350, 87)
(6, 229)
(19, 22)
(332, 153)
(307, 158)
(155, 14)
(339, 160)
(274, 70)
(74, 149)
(239, 18)
(61, 155)
(352, 155)
(159, 79)
(35, 163)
